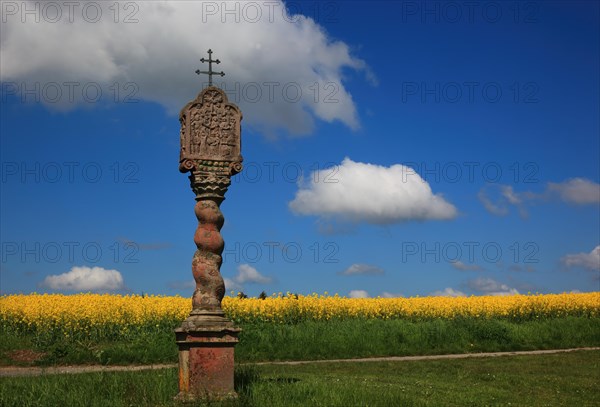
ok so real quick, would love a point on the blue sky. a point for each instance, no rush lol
(395, 148)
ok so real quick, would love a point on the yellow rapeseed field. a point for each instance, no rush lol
(105, 315)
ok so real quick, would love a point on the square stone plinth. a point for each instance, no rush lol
(206, 362)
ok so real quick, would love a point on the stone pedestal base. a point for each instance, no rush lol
(206, 359)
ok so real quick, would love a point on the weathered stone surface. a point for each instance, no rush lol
(206, 363)
(210, 143)
(211, 152)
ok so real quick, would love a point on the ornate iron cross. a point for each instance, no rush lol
(210, 72)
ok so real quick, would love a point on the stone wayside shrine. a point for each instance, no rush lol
(210, 152)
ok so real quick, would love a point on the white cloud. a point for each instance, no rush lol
(386, 294)
(498, 209)
(488, 286)
(459, 265)
(246, 274)
(577, 191)
(363, 192)
(85, 279)
(358, 294)
(510, 195)
(506, 197)
(358, 268)
(274, 64)
(503, 292)
(231, 285)
(448, 292)
(588, 261)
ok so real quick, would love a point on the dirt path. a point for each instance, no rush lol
(38, 371)
(431, 357)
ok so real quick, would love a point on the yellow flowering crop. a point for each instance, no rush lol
(105, 316)
(99, 316)
(315, 307)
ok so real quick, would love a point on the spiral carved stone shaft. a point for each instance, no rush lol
(210, 152)
(210, 287)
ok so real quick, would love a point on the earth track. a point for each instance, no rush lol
(14, 371)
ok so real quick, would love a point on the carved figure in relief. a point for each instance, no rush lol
(182, 136)
(210, 129)
(196, 132)
(213, 144)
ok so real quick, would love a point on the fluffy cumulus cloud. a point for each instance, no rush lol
(246, 274)
(498, 199)
(358, 269)
(85, 279)
(448, 292)
(589, 261)
(488, 286)
(358, 294)
(281, 67)
(362, 192)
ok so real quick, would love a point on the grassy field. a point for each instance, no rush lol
(311, 340)
(109, 329)
(365, 338)
(569, 379)
(95, 328)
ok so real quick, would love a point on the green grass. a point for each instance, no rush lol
(365, 338)
(568, 379)
(325, 340)
(141, 349)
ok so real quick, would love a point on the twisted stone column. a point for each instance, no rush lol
(210, 287)
(210, 152)
(206, 265)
